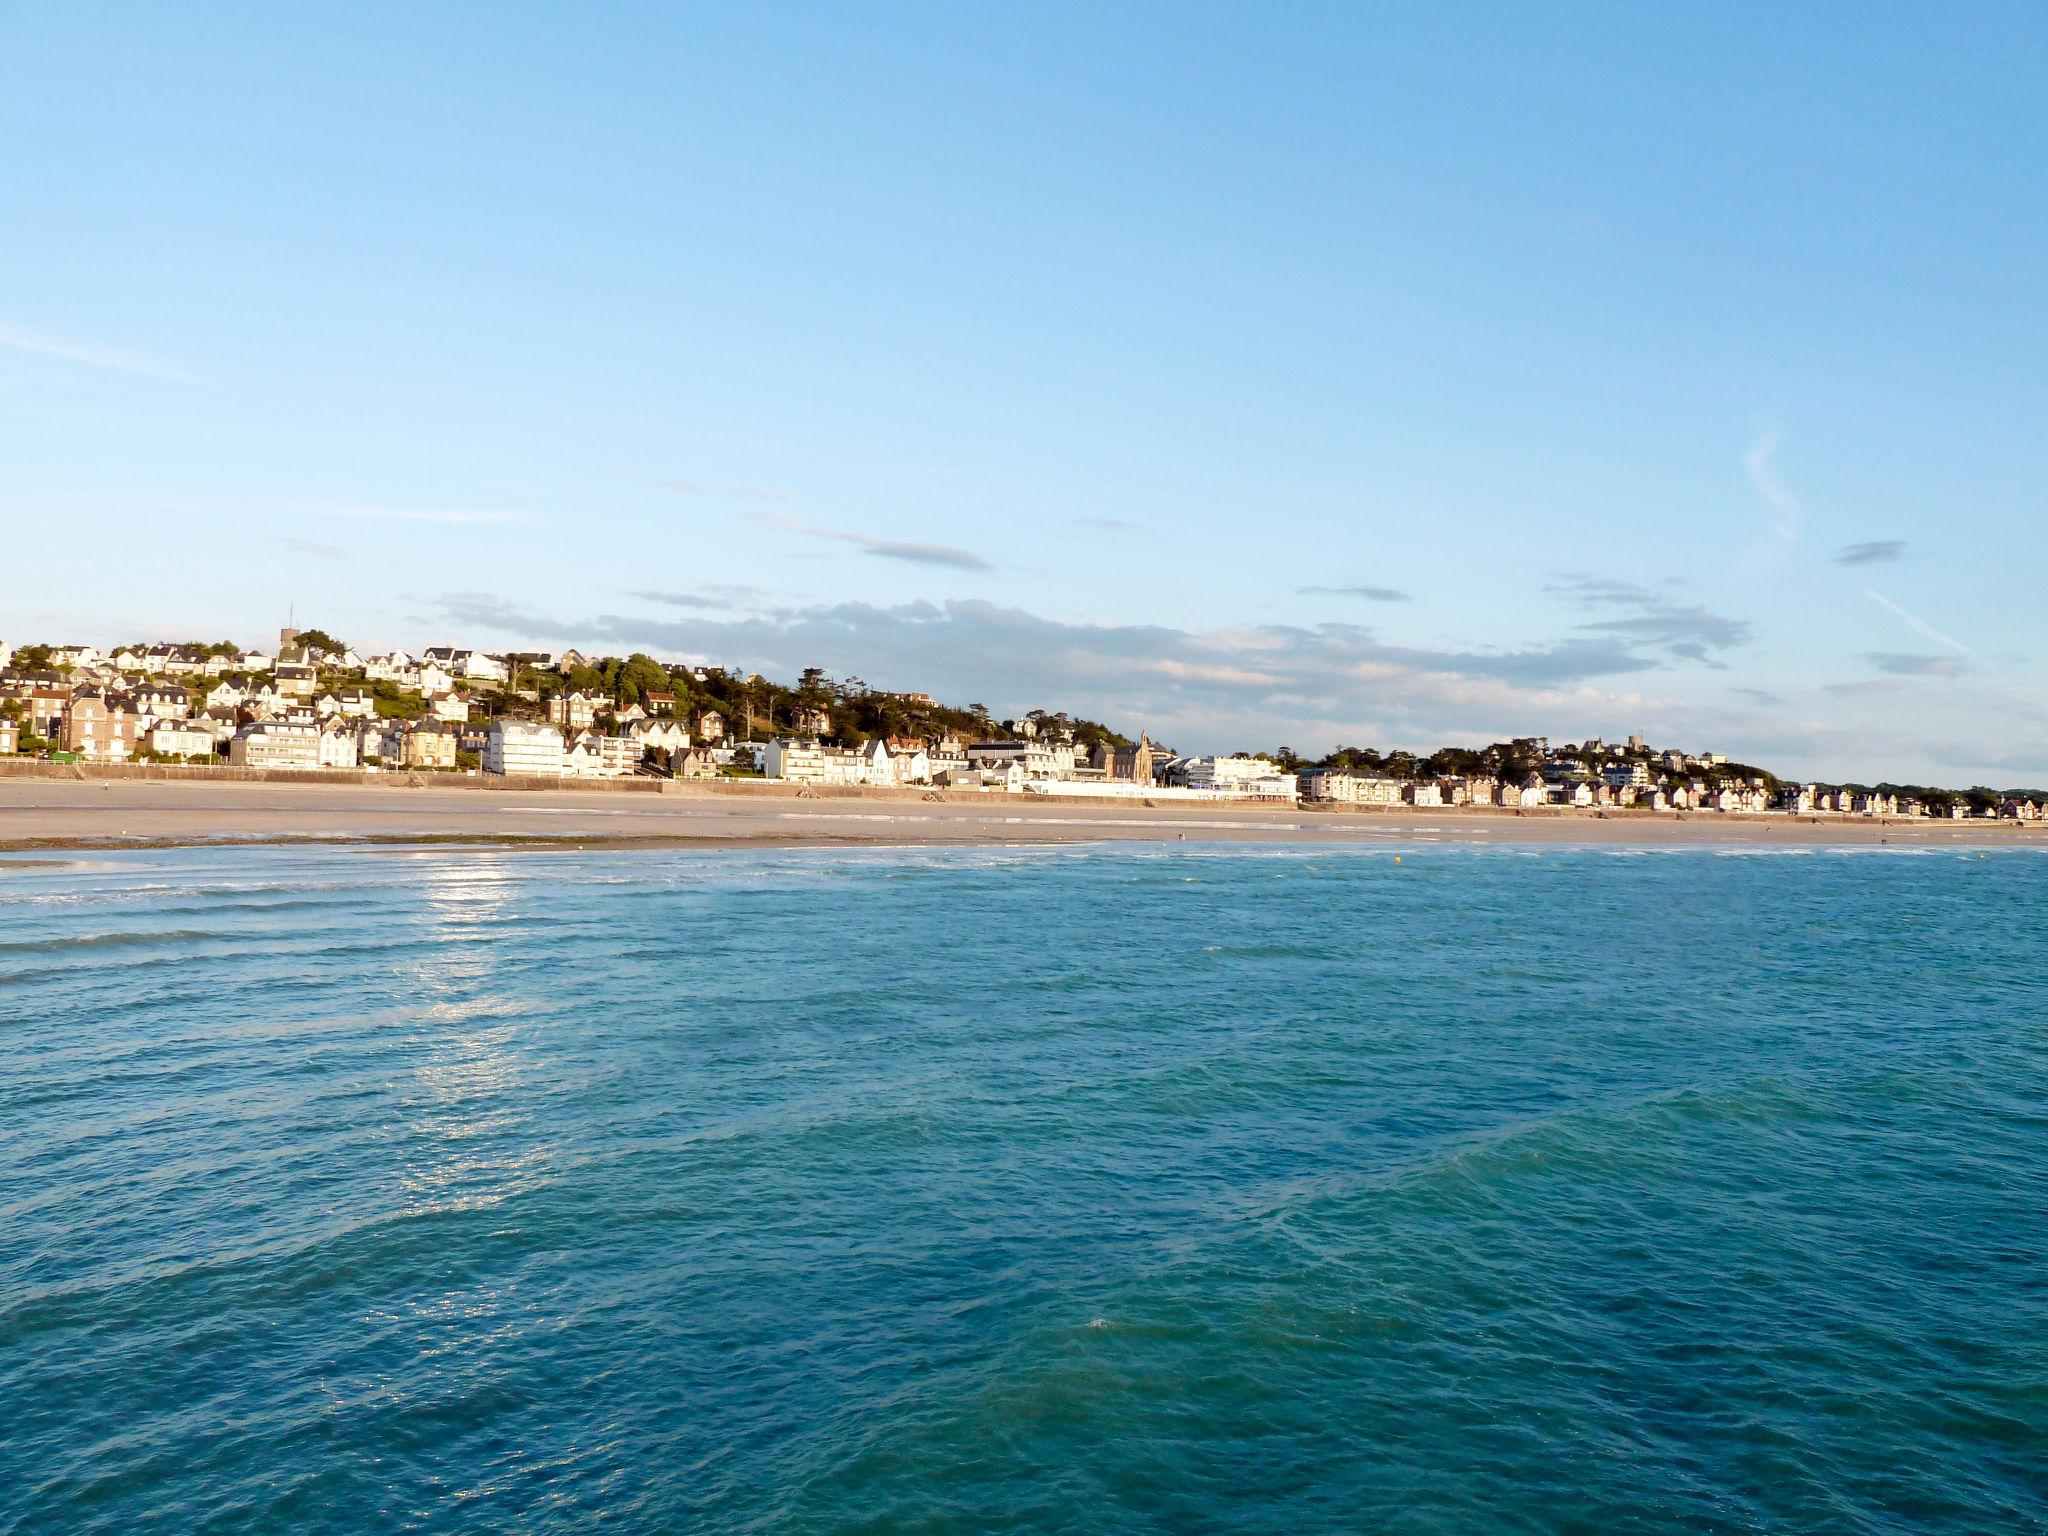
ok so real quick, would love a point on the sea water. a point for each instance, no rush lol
(1174, 1188)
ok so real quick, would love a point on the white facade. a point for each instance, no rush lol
(339, 747)
(1349, 788)
(519, 748)
(181, 738)
(276, 744)
(661, 733)
(592, 756)
(1256, 778)
(799, 761)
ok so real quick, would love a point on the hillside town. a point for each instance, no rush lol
(314, 703)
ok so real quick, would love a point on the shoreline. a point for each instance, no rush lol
(53, 815)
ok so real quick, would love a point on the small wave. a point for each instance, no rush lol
(114, 940)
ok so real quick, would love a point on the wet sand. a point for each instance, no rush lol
(53, 814)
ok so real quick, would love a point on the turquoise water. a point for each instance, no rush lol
(1162, 1189)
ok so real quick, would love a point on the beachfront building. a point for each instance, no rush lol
(808, 762)
(185, 739)
(10, 737)
(522, 748)
(801, 762)
(340, 746)
(1036, 758)
(100, 732)
(426, 746)
(595, 756)
(1253, 778)
(909, 760)
(45, 708)
(694, 763)
(276, 744)
(1626, 775)
(659, 734)
(1340, 788)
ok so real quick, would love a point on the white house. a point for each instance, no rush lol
(340, 745)
(394, 667)
(379, 740)
(448, 708)
(1257, 778)
(592, 756)
(521, 748)
(161, 701)
(276, 744)
(801, 761)
(577, 711)
(1343, 788)
(181, 738)
(910, 762)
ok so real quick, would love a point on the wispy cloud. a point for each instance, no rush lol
(1872, 552)
(1369, 594)
(1918, 625)
(1107, 524)
(725, 492)
(950, 556)
(454, 516)
(711, 597)
(92, 354)
(1689, 632)
(1761, 464)
(1911, 664)
(315, 548)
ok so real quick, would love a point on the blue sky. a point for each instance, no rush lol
(1294, 374)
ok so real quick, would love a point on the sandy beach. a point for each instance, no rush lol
(46, 813)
